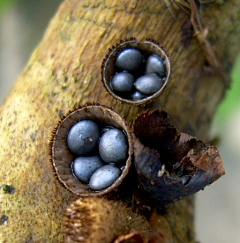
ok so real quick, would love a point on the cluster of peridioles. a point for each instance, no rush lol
(100, 153)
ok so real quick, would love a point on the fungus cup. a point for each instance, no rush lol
(111, 67)
(171, 165)
(97, 219)
(62, 157)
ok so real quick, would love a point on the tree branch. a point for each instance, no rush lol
(65, 71)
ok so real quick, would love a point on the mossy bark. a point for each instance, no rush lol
(65, 71)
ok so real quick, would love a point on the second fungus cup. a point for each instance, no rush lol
(136, 72)
(91, 150)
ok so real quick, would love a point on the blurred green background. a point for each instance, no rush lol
(217, 219)
(3, 3)
(232, 98)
